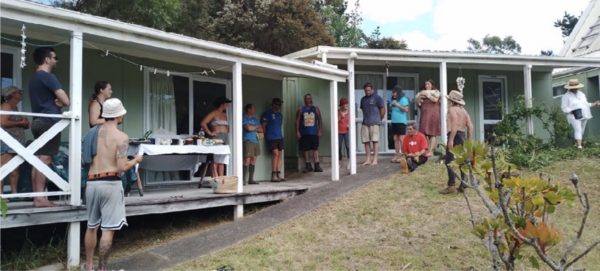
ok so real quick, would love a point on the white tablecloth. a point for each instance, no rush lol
(178, 157)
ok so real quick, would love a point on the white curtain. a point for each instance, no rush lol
(162, 104)
(163, 119)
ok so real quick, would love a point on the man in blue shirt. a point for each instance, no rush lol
(308, 131)
(272, 122)
(251, 146)
(373, 108)
(48, 97)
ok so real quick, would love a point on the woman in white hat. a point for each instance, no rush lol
(575, 105)
(15, 126)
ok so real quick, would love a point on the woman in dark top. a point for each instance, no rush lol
(102, 91)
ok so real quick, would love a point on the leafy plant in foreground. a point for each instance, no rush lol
(518, 209)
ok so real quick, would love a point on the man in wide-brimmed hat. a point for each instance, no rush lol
(460, 129)
(575, 105)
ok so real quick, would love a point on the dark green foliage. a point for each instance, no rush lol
(566, 24)
(495, 45)
(531, 152)
(159, 14)
(345, 27)
(377, 42)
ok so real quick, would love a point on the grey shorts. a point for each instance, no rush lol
(39, 127)
(105, 205)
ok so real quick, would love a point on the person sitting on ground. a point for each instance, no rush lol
(414, 149)
(15, 126)
(104, 191)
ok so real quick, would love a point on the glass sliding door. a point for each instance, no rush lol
(409, 85)
(377, 80)
(383, 86)
(492, 100)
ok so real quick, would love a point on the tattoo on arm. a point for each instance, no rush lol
(122, 150)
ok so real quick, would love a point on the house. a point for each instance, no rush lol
(583, 42)
(491, 81)
(167, 82)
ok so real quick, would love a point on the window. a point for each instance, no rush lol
(9, 67)
(558, 91)
(492, 95)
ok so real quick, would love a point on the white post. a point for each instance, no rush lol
(528, 95)
(444, 102)
(335, 157)
(76, 75)
(236, 147)
(352, 109)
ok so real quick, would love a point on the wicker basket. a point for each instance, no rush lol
(225, 185)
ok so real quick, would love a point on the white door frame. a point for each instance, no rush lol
(384, 123)
(490, 78)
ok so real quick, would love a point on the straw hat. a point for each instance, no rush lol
(10, 90)
(456, 97)
(113, 108)
(573, 84)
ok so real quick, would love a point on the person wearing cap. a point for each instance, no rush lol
(215, 125)
(272, 123)
(398, 107)
(15, 126)
(251, 146)
(308, 131)
(343, 129)
(460, 129)
(104, 190)
(46, 96)
(577, 109)
(373, 108)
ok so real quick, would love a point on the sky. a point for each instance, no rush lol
(448, 24)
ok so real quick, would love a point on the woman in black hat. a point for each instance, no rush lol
(216, 125)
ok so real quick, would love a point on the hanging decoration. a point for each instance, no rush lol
(23, 47)
(387, 66)
(460, 83)
(103, 53)
(460, 80)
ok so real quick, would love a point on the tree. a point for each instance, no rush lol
(566, 24)
(377, 42)
(344, 27)
(290, 26)
(159, 14)
(517, 225)
(495, 45)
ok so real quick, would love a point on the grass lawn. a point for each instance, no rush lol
(399, 223)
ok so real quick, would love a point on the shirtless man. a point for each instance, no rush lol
(104, 191)
(460, 128)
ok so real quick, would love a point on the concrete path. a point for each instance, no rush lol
(182, 250)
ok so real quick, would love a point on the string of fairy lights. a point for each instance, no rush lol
(105, 53)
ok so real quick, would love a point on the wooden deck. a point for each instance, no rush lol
(163, 200)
